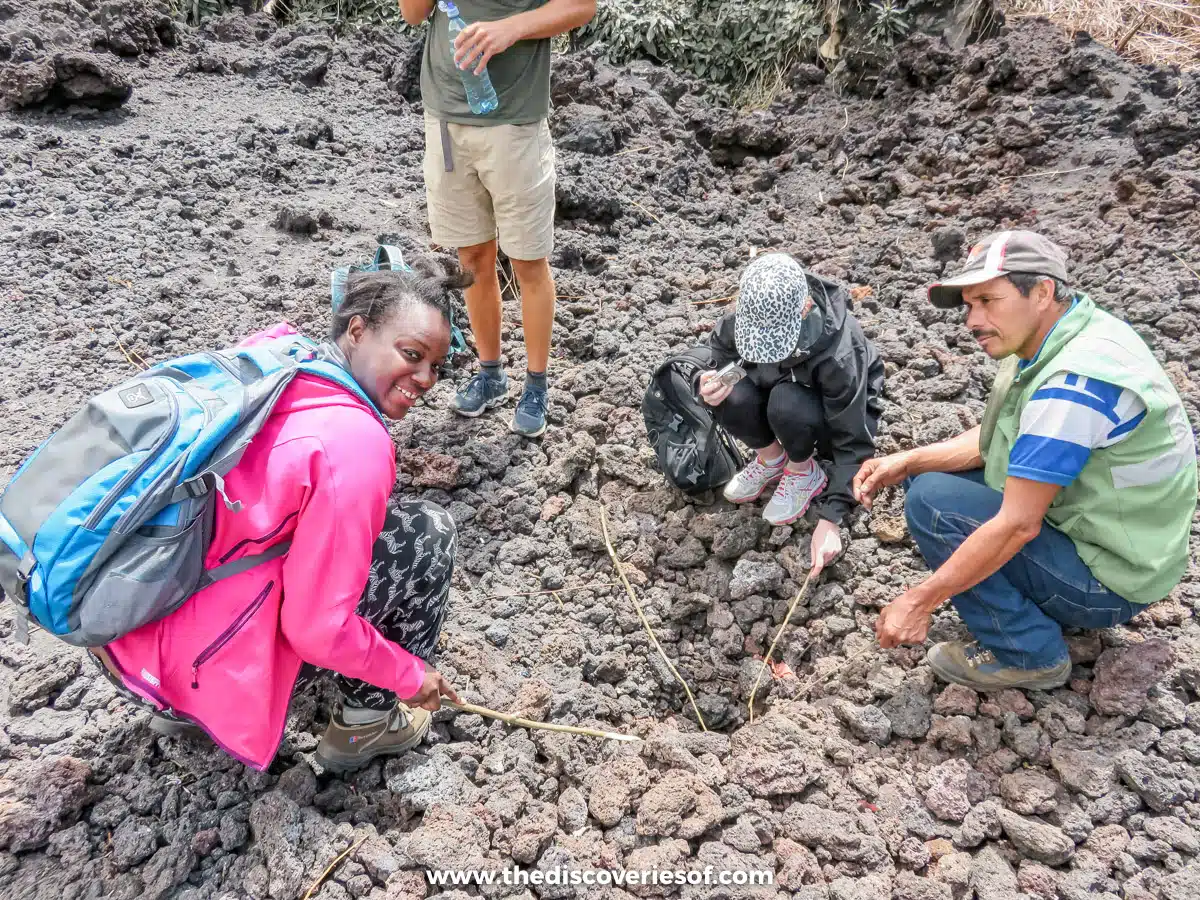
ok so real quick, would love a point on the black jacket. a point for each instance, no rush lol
(845, 369)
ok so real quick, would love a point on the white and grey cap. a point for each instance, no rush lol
(772, 297)
(1002, 253)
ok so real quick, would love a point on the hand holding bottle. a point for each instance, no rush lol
(480, 41)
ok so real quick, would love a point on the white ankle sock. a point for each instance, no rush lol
(357, 715)
(771, 463)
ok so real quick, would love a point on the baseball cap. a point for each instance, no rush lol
(999, 254)
(771, 298)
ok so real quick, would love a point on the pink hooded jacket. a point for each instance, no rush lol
(320, 473)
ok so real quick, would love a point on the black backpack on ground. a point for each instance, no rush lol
(694, 452)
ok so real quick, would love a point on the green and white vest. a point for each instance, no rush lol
(1130, 510)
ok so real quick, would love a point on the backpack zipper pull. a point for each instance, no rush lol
(195, 678)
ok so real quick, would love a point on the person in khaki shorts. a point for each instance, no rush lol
(492, 176)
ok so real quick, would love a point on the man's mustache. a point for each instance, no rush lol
(979, 334)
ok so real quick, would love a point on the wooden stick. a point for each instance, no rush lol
(713, 300)
(778, 635)
(630, 150)
(852, 658)
(641, 615)
(129, 358)
(646, 211)
(1038, 174)
(559, 599)
(582, 587)
(510, 719)
(333, 865)
(1186, 266)
(1129, 35)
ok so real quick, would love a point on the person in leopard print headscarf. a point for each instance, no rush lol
(812, 389)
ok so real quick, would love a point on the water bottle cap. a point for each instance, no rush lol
(448, 7)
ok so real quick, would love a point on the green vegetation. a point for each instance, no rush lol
(743, 49)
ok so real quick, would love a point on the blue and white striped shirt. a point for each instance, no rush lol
(1067, 418)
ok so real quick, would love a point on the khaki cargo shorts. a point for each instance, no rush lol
(502, 184)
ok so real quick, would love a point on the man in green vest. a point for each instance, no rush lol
(489, 176)
(1072, 501)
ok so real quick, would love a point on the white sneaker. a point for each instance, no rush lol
(750, 483)
(794, 494)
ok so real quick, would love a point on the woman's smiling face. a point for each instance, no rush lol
(398, 361)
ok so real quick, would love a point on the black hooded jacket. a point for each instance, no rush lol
(845, 369)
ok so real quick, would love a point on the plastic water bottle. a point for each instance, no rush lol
(481, 96)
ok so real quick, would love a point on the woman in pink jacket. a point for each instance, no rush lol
(362, 592)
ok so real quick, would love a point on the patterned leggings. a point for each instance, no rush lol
(406, 594)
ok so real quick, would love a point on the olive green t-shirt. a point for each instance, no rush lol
(520, 75)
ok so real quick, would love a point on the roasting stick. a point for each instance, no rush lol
(778, 634)
(333, 865)
(511, 719)
(645, 622)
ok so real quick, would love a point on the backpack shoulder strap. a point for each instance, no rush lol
(389, 256)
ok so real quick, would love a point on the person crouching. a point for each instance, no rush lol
(812, 386)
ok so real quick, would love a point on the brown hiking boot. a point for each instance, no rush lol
(345, 747)
(972, 666)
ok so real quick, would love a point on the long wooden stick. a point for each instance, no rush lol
(333, 865)
(511, 719)
(712, 300)
(1183, 262)
(645, 622)
(778, 634)
(1040, 174)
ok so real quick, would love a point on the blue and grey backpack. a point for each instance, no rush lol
(106, 525)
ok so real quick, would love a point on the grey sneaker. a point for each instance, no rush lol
(481, 393)
(750, 483)
(345, 748)
(794, 494)
(530, 417)
(972, 666)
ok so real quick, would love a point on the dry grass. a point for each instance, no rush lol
(1163, 32)
(761, 92)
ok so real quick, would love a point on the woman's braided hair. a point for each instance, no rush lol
(377, 296)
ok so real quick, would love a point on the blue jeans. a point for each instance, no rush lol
(1017, 613)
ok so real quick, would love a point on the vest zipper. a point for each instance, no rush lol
(227, 635)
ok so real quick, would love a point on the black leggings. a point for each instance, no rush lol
(789, 412)
(406, 592)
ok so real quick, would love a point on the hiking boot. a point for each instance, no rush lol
(480, 394)
(530, 418)
(794, 494)
(346, 748)
(975, 667)
(169, 726)
(750, 483)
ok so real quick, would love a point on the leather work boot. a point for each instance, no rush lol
(346, 747)
(972, 666)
